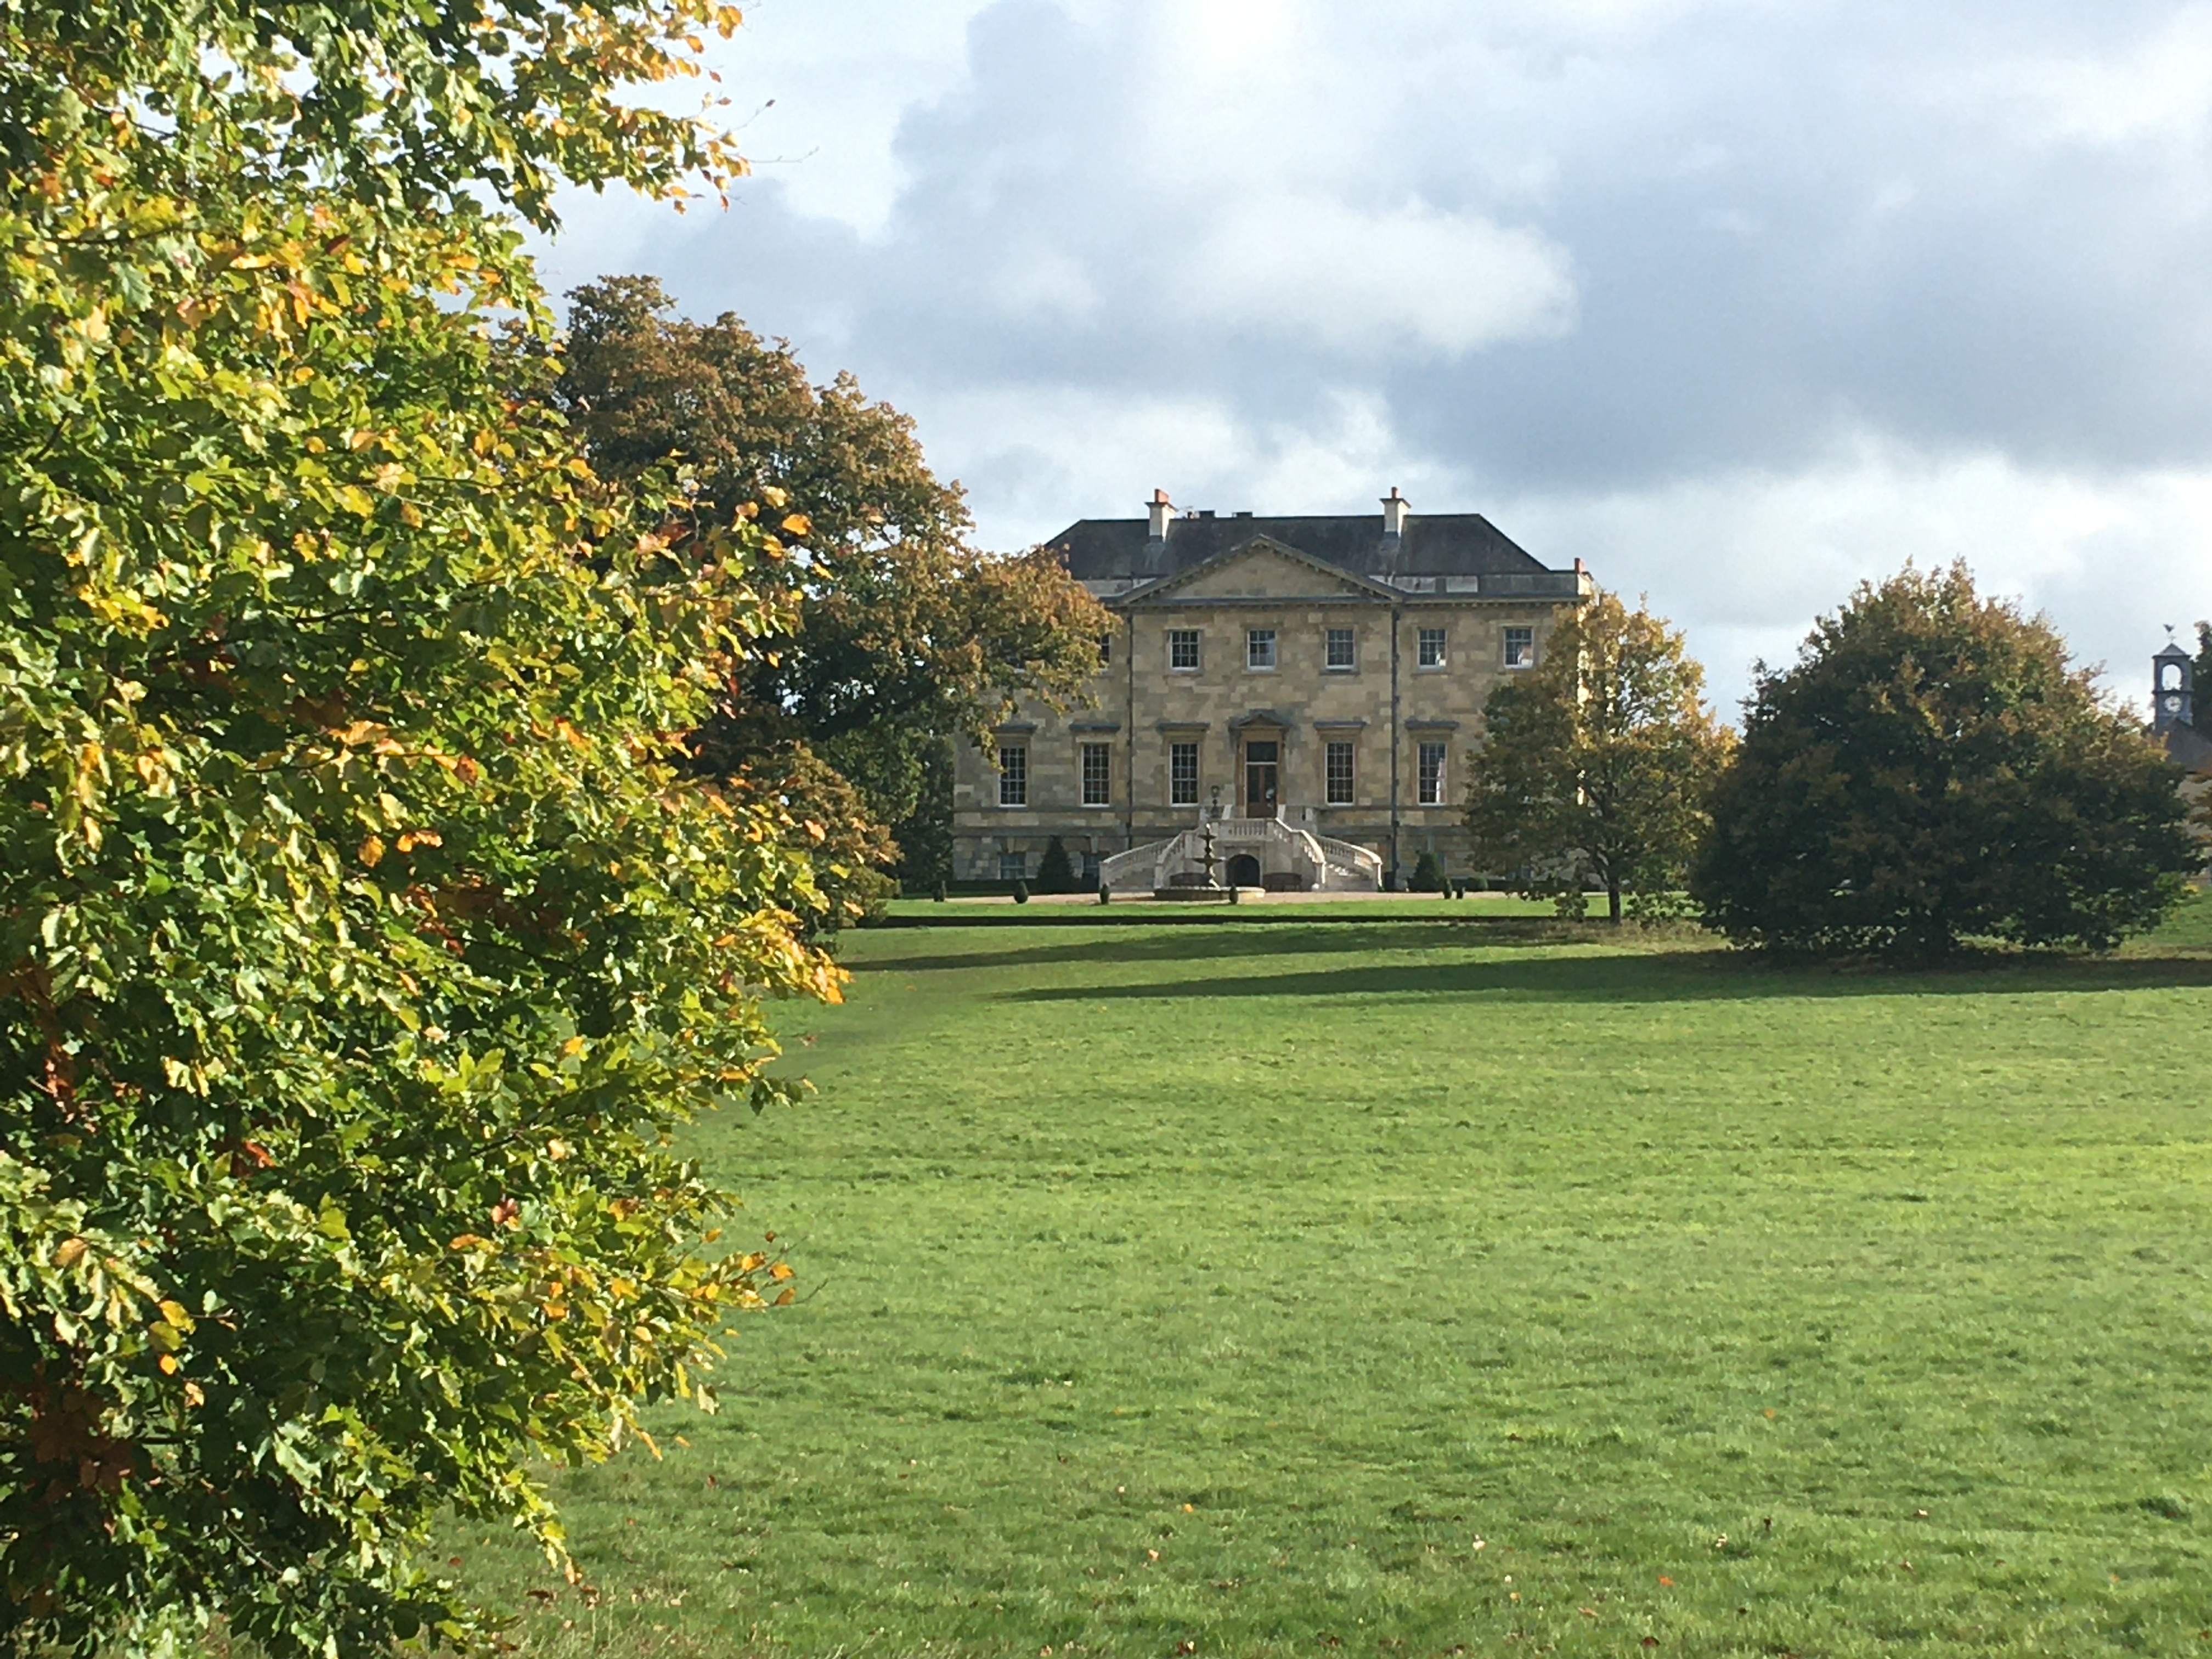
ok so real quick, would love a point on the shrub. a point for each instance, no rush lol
(866, 897)
(1021, 892)
(1055, 874)
(1931, 770)
(1105, 894)
(1428, 875)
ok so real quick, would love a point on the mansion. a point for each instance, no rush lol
(1301, 692)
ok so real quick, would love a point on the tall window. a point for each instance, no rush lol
(1013, 774)
(1432, 774)
(1259, 648)
(1432, 647)
(1182, 775)
(1097, 774)
(1343, 653)
(1105, 650)
(1520, 648)
(1013, 866)
(1339, 775)
(1182, 649)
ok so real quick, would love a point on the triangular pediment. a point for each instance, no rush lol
(1263, 569)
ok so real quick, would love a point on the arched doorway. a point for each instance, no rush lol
(1243, 871)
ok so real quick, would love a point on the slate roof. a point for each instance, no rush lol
(2185, 746)
(1442, 545)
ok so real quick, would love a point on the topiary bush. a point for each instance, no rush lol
(1428, 875)
(1055, 873)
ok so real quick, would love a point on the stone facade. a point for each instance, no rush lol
(1329, 672)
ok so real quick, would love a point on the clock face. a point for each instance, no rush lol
(2174, 705)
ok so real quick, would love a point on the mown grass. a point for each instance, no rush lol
(1409, 1286)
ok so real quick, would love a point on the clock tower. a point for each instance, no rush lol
(2173, 689)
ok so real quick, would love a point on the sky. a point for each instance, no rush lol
(1741, 302)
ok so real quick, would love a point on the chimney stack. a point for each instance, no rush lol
(1395, 508)
(1159, 510)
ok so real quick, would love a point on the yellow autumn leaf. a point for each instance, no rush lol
(799, 524)
(372, 851)
(782, 1270)
(71, 1252)
(167, 1361)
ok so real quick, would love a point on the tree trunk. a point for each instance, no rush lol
(1613, 899)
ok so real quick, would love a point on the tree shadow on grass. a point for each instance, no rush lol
(1658, 976)
(1266, 940)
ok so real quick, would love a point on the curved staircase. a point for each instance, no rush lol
(1321, 862)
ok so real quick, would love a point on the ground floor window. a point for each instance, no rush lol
(1090, 863)
(1432, 774)
(1013, 866)
(1097, 774)
(1339, 775)
(1182, 775)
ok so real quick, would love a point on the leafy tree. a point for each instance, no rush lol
(1595, 764)
(905, 634)
(1931, 770)
(362, 939)
(925, 835)
(1056, 872)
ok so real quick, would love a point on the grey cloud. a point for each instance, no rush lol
(1694, 241)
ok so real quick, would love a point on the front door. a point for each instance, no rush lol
(1260, 778)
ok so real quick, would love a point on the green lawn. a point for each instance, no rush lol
(1283, 1284)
